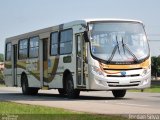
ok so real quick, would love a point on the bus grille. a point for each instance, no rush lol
(122, 69)
(116, 84)
(132, 85)
(134, 75)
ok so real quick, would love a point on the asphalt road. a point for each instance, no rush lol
(94, 102)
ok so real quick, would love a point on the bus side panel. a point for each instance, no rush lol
(55, 74)
(56, 68)
(21, 68)
(8, 78)
(31, 69)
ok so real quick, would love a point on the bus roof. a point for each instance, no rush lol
(112, 19)
(64, 26)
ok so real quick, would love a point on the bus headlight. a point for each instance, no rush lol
(146, 70)
(97, 71)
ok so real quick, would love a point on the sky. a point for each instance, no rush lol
(22, 16)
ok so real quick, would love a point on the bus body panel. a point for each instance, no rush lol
(8, 74)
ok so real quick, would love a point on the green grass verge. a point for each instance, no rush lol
(152, 89)
(2, 85)
(34, 112)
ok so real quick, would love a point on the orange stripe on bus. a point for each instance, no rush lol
(144, 64)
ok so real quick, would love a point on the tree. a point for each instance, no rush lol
(155, 66)
(1, 72)
(1, 76)
(1, 57)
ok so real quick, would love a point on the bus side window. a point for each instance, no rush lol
(8, 51)
(66, 38)
(54, 44)
(23, 49)
(33, 47)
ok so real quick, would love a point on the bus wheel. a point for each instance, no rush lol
(71, 92)
(119, 93)
(25, 89)
(62, 91)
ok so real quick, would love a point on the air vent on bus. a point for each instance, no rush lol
(116, 84)
(134, 75)
(122, 69)
(135, 81)
(129, 85)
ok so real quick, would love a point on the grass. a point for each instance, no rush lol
(152, 89)
(34, 112)
(2, 85)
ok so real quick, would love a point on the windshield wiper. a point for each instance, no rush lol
(118, 45)
(125, 46)
(114, 51)
(134, 56)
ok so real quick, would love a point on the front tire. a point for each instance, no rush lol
(26, 90)
(119, 93)
(71, 92)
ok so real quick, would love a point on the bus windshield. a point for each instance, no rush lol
(118, 41)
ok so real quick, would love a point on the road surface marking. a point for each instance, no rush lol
(129, 104)
(106, 101)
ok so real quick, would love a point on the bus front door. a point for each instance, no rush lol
(80, 61)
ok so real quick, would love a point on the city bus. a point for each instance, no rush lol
(82, 55)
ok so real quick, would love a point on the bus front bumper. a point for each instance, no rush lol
(119, 83)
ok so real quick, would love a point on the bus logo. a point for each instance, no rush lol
(123, 73)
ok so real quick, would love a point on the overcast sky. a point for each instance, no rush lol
(21, 16)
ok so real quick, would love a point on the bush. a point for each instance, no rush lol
(1, 57)
(1, 77)
(155, 66)
(1, 72)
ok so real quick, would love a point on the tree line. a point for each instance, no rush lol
(1, 57)
(155, 66)
(1, 72)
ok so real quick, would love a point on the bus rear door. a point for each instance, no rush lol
(14, 62)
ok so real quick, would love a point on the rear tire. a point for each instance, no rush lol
(25, 89)
(119, 93)
(71, 92)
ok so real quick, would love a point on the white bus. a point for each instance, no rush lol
(83, 55)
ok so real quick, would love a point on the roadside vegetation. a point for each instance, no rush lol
(155, 67)
(1, 57)
(2, 85)
(34, 112)
(152, 89)
(1, 71)
(1, 77)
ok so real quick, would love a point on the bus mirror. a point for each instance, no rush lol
(85, 35)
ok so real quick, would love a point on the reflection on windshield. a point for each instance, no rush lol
(119, 42)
